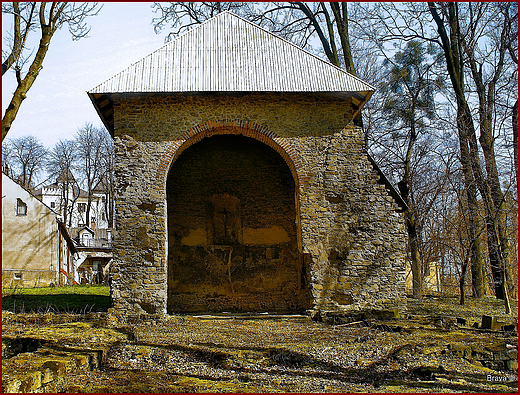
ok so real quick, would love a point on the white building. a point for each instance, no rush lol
(92, 236)
(76, 200)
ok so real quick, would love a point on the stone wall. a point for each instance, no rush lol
(349, 233)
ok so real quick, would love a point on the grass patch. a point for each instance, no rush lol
(70, 299)
(473, 309)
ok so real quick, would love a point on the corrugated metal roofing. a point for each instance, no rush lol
(230, 54)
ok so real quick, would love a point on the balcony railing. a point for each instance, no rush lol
(96, 243)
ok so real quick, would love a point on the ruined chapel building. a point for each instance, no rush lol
(242, 184)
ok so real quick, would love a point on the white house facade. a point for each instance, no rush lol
(76, 201)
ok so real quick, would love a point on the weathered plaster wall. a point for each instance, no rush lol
(351, 237)
(29, 242)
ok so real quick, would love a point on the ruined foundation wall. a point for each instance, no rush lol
(351, 236)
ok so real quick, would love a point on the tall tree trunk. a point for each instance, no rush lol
(64, 200)
(25, 84)
(452, 50)
(87, 211)
(489, 186)
(474, 225)
(411, 217)
(462, 279)
(417, 276)
(515, 139)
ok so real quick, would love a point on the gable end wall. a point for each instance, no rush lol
(352, 236)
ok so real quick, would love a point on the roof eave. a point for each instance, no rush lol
(103, 102)
(96, 102)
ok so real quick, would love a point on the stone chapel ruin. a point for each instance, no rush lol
(242, 184)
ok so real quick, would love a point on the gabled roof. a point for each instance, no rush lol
(82, 229)
(228, 54)
(101, 186)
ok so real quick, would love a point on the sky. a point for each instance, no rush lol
(57, 105)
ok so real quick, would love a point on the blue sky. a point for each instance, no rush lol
(57, 104)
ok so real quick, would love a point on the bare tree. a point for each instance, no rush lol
(486, 78)
(460, 48)
(183, 15)
(27, 156)
(7, 160)
(461, 29)
(107, 178)
(408, 89)
(90, 146)
(33, 17)
(59, 166)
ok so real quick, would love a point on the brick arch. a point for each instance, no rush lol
(248, 129)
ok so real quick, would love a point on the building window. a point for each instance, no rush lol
(18, 276)
(53, 205)
(21, 207)
(82, 207)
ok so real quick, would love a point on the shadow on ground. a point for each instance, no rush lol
(63, 303)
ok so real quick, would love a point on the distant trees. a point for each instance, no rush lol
(44, 18)
(84, 162)
(460, 30)
(474, 39)
(60, 165)
(90, 143)
(23, 158)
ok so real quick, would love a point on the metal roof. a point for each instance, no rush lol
(230, 54)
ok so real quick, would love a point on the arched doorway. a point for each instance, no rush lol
(232, 236)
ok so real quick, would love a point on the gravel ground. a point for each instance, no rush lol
(226, 354)
(415, 353)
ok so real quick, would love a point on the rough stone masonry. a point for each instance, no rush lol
(328, 237)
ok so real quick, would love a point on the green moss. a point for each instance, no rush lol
(226, 354)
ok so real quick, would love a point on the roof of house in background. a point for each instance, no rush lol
(228, 54)
(101, 186)
(78, 192)
(31, 194)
